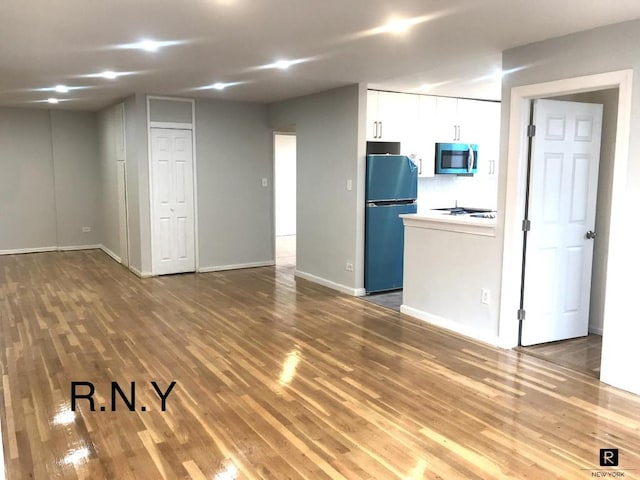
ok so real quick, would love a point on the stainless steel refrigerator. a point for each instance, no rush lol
(391, 190)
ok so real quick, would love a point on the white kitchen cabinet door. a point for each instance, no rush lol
(479, 123)
(426, 136)
(446, 129)
(398, 116)
(392, 117)
(372, 115)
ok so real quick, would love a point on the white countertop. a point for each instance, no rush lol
(439, 220)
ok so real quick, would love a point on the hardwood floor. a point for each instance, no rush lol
(584, 353)
(286, 251)
(275, 378)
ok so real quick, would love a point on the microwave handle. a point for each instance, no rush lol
(472, 160)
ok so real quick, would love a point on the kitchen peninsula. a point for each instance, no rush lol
(450, 278)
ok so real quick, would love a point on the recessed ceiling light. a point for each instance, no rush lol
(149, 45)
(53, 100)
(283, 64)
(398, 26)
(219, 86)
(109, 75)
(61, 89)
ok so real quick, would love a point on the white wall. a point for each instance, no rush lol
(600, 50)
(330, 132)
(234, 149)
(441, 191)
(285, 184)
(49, 183)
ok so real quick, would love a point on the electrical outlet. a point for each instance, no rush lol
(349, 267)
(86, 229)
(349, 185)
(265, 182)
(486, 296)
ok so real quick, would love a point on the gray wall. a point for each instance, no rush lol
(600, 50)
(108, 181)
(133, 178)
(330, 150)
(48, 159)
(234, 151)
(609, 100)
(75, 157)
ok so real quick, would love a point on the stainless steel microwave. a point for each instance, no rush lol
(456, 158)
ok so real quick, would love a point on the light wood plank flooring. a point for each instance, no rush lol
(584, 353)
(277, 378)
(286, 251)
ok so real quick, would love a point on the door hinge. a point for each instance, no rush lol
(531, 131)
(521, 314)
(526, 225)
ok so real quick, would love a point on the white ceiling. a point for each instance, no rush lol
(456, 48)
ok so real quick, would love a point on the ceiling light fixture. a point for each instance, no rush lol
(284, 64)
(109, 75)
(398, 26)
(61, 89)
(219, 86)
(149, 45)
(53, 100)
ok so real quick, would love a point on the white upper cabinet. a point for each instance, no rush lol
(419, 121)
(392, 117)
(372, 115)
(446, 128)
(426, 136)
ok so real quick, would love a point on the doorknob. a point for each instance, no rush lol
(591, 235)
(172, 209)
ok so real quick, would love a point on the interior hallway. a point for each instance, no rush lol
(276, 378)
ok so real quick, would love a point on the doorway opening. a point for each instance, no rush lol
(285, 200)
(613, 261)
(583, 350)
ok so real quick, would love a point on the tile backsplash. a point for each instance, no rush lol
(480, 191)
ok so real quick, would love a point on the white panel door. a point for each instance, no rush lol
(173, 234)
(562, 207)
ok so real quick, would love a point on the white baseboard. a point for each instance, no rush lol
(222, 268)
(19, 251)
(78, 247)
(355, 292)
(111, 253)
(450, 325)
(138, 273)
(596, 330)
